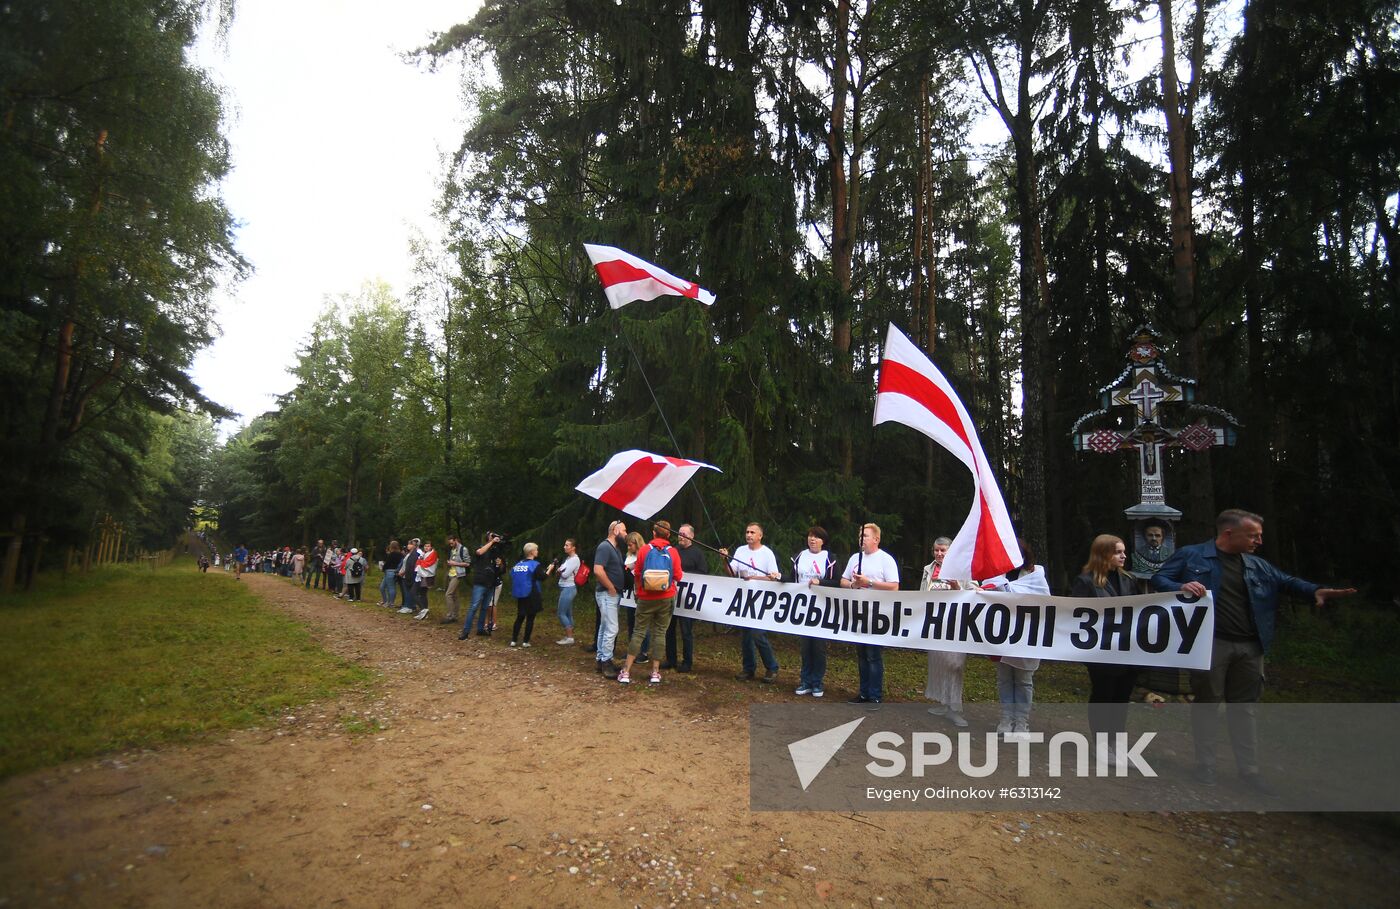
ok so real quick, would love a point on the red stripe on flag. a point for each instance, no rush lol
(896, 378)
(989, 556)
(617, 271)
(634, 480)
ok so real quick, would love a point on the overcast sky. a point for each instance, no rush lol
(337, 146)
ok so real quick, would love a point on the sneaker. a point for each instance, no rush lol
(655, 679)
(623, 678)
(1020, 732)
(744, 677)
(669, 664)
(1005, 726)
(770, 677)
(938, 710)
(1204, 774)
(608, 669)
(406, 611)
(380, 603)
(803, 689)
(464, 636)
(451, 621)
(422, 614)
(526, 644)
(684, 667)
(957, 719)
(512, 643)
(818, 693)
(564, 642)
(859, 699)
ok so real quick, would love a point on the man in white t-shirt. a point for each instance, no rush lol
(871, 568)
(755, 562)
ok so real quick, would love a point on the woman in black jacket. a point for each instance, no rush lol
(1110, 684)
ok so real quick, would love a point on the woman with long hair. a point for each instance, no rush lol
(1110, 684)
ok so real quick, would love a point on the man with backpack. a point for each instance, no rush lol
(457, 564)
(657, 571)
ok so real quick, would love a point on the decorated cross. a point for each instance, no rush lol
(1147, 386)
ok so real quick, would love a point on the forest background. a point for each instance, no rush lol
(808, 162)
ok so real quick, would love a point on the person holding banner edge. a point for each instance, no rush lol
(754, 561)
(870, 568)
(693, 561)
(1245, 589)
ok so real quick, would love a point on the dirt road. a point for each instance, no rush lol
(481, 775)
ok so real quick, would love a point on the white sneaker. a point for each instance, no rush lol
(818, 693)
(565, 641)
(803, 690)
(405, 611)
(423, 614)
(512, 643)
(526, 644)
(1020, 732)
(1005, 726)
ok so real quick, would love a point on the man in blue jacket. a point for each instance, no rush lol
(1245, 589)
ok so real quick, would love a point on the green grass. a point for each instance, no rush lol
(128, 657)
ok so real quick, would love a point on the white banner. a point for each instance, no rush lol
(1171, 630)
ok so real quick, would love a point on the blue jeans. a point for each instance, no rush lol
(406, 590)
(813, 663)
(607, 623)
(566, 607)
(755, 639)
(871, 661)
(388, 589)
(481, 598)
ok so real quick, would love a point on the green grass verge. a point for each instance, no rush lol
(129, 657)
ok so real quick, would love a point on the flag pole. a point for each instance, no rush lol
(622, 330)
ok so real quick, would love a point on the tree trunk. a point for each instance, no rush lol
(1180, 146)
(12, 551)
(842, 241)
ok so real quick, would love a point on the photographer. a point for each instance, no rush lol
(486, 575)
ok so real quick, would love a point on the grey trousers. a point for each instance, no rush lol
(1235, 678)
(451, 598)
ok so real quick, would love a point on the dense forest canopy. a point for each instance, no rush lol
(1227, 172)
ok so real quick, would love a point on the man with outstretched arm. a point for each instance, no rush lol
(754, 561)
(1245, 589)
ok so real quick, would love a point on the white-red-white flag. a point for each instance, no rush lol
(626, 278)
(912, 391)
(639, 482)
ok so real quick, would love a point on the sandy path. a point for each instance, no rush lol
(550, 787)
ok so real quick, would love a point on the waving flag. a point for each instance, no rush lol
(626, 278)
(639, 482)
(912, 391)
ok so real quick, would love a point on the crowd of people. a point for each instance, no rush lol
(1245, 589)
